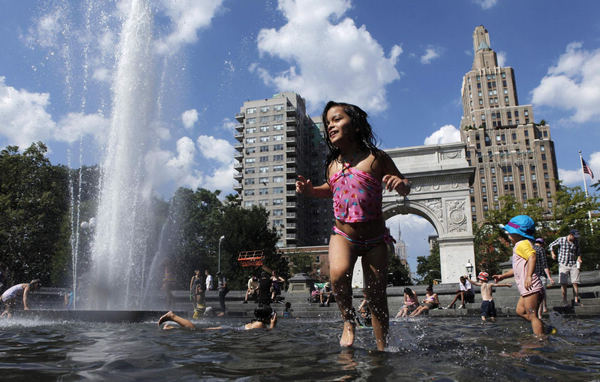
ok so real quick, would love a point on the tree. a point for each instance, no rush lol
(398, 274)
(429, 267)
(33, 213)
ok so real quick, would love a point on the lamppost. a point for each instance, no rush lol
(219, 265)
(469, 267)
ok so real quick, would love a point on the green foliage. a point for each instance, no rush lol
(33, 209)
(301, 263)
(428, 268)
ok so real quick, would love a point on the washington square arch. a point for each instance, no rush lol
(441, 179)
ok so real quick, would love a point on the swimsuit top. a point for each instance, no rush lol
(357, 195)
(430, 298)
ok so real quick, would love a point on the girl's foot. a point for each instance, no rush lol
(347, 339)
(166, 317)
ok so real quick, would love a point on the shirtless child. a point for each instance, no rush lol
(488, 308)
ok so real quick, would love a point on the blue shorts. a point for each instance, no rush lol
(488, 309)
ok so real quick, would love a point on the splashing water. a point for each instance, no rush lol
(120, 241)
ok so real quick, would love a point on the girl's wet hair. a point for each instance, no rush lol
(409, 291)
(364, 133)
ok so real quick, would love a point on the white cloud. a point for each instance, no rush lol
(189, 118)
(445, 134)
(485, 4)
(575, 178)
(23, 116)
(46, 30)
(573, 84)
(431, 53)
(229, 125)
(214, 148)
(501, 56)
(333, 58)
(24, 119)
(187, 16)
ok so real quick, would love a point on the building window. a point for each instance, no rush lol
(544, 157)
(263, 159)
(250, 121)
(278, 179)
(277, 147)
(248, 192)
(250, 140)
(278, 127)
(263, 202)
(277, 190)
(249, 181)
(277, 202)
(482, 180)
(278, 107)
(264, 129)
(249, 170)
(250, 160)
(250, 150)
(248, 204)
(264, 109)
(264, 149)
(263, 191)
(278, 117)
(278, 168)
(264, 119)
(250, 130)
(278, 137)
(278, 157)
(532, 176)
(278, 212)
(251, 110)
(264, 138)
(472, 208)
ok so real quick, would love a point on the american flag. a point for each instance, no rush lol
(586, 168)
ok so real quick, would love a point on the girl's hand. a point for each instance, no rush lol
(395, 183)
(527, 283)
(304, 186)
(497, 278)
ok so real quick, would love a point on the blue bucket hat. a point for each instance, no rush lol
(521, 225)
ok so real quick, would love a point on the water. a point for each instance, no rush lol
(421, 349)
(123, 219)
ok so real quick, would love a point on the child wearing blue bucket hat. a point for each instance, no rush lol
(521, 229)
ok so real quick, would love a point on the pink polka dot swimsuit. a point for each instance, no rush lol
(357, 195)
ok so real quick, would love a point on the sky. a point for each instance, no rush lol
(402, 61)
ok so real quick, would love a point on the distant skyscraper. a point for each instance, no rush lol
(401, 248)
(277, 142)
(511, 153)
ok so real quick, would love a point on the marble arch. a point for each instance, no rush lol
(441, 179)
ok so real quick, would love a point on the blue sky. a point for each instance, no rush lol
(402, 61)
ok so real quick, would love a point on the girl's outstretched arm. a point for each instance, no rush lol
(393, 179)
(304, 186)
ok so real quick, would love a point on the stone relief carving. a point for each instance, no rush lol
(457, 218)
(451, 154)
(435, 205)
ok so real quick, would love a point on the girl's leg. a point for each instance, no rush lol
(341, 265)
(527, 307)
(375, 272)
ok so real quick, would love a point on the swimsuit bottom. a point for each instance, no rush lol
(366, 244)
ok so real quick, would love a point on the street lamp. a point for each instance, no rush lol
(469, 267)
(219, 265)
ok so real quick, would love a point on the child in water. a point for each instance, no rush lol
(355, 170)
(488, 308)
(520, 229)
(265, 318)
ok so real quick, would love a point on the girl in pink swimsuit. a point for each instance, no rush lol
(356, 169)
(520, 229)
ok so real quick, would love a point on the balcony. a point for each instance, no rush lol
(238, 176)
(290, 236)
(291, 193)
(290, 120)
(239, 117)
(239, 136)
(239, 147)
(291, 141)
(290, 226)
(290, 182)
(239, 127)
(290, 205)
(290, 151)
(290, 215)
(237, 186)
(238, 165)
(291, 130)
(238, 155)
(290, 171)
(290, 110)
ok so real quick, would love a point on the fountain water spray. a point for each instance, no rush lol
(123, 219)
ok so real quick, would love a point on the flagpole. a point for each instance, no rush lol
(586, 190)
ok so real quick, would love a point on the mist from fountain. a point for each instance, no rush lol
(123, 221)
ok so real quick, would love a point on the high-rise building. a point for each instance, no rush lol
(278, 141)
(511, 153)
